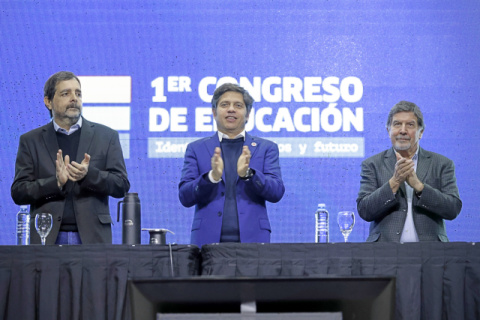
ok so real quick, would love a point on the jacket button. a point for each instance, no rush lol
(219, 214)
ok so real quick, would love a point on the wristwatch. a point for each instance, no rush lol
(248, 174)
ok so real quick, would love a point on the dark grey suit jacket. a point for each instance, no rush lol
(35, 180)
(387, 212)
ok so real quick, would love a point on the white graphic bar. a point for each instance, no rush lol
(296, 147)
(321, 147)
(117, 118)
(106, 89)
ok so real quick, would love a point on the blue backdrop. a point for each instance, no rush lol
(324, 76)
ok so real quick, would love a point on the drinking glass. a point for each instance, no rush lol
(43, 224)
(346, 221)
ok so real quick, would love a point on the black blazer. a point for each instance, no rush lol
(35, 180)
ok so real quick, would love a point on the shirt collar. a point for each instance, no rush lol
(222, 135)
(415, 156)
(73, 128)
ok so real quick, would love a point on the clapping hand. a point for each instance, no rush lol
(405, 171)
(78, 171)
(243, 161)
(61, 169)
(217, 164)
(403, 168)
(66, 170)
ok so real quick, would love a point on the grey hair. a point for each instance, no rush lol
(405, 106)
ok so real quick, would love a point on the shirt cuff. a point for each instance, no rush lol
(210, 177)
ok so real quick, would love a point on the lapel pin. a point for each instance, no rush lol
(254, 144)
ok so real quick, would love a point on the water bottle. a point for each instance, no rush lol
(23, 226)
(131, 218)
(321, 224)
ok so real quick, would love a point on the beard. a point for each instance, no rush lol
(402, 146)
(74, 107)
(70, 115)
(405, 144)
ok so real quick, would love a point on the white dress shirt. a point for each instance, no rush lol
(409, 233)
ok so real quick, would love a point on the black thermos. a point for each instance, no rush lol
(131, 219)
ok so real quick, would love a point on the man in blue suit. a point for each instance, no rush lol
(230, 175)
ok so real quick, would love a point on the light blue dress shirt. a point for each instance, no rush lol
(73, 128)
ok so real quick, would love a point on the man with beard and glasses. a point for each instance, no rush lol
(69, 168)
(407, 192)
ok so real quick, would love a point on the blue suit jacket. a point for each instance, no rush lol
(196, 189)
